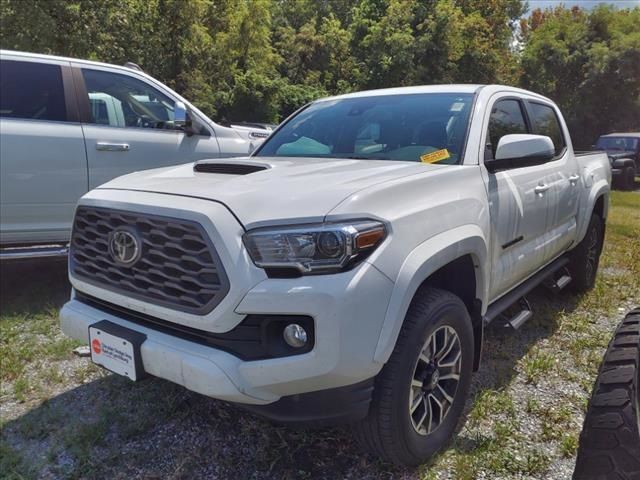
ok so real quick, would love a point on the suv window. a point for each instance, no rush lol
(31, 90)
(618, 143)
(545, 122)
(506, 118)
(123, 101)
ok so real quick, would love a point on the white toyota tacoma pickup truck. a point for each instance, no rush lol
(345, 271)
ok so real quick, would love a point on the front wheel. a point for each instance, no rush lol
(585, 258)
(420, 393)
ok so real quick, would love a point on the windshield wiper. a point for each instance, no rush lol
(359, 157)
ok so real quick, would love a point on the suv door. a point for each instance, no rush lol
(563, 179)
(517, 207)
(43, 164)
(128, 126)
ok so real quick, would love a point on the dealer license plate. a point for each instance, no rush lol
(117, 349)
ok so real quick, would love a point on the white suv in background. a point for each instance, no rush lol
(68, 126)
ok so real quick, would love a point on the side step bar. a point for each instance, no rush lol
(558, 284)
(35, 251)
(504, 302)
(524, 314)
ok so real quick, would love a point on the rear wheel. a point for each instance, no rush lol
(629, 178)
(420, 393)
(585, 258)
(610, 440)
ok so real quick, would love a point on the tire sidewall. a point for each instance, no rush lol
(596, 224)
(579, 257)
(629, 178)
(454, 315)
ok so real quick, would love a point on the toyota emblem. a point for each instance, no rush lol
(124, 247)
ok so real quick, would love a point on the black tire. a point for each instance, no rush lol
(610, 440)
(585, 258)
(389, 430)
(629, 178)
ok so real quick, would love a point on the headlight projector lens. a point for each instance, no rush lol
(295, 335)
(330, 244)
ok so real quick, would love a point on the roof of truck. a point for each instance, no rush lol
(628, 134)
(446, 88)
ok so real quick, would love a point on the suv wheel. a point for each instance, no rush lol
(585, 258)
(420, 393)
(629, 178)
(610, 439)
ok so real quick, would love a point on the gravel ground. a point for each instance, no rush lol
(62, 417)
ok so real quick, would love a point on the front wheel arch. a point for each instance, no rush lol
(427, 259)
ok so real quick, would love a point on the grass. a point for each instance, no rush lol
(569, 445)
(536, 365)
(62, 417)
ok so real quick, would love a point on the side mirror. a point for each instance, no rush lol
(521, 150)
(181, 118)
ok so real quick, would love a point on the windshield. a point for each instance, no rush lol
(617, 143)
(428, 127)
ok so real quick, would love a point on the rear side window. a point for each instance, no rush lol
(545, 122)
(31, 90)
(506, 118)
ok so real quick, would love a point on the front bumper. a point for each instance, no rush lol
(348, 310)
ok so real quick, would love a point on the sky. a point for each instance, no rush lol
(533, 4)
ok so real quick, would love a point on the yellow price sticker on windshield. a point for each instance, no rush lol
(435, 156)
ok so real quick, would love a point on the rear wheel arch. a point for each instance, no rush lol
(599, 207)
(596, 202)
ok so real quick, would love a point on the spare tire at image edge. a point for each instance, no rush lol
(610, 440)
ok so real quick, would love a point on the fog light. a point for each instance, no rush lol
(295, 335)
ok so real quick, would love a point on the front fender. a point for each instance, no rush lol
(424, 260)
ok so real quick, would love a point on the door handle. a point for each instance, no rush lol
(573, 179)
(112, 147)
(540, 189)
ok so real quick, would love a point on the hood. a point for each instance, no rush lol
(266, 191)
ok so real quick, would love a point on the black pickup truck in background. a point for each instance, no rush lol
(623, 150)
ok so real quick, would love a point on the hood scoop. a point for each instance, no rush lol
(228, 168)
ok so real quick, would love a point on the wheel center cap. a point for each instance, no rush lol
(435, 378)
(432, 380)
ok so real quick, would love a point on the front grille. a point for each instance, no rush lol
(177, 266)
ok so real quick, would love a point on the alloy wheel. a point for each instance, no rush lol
(592, 253)
(435, 380)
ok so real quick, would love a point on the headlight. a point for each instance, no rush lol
(314, 249)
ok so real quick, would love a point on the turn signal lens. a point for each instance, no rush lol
(370, 238)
